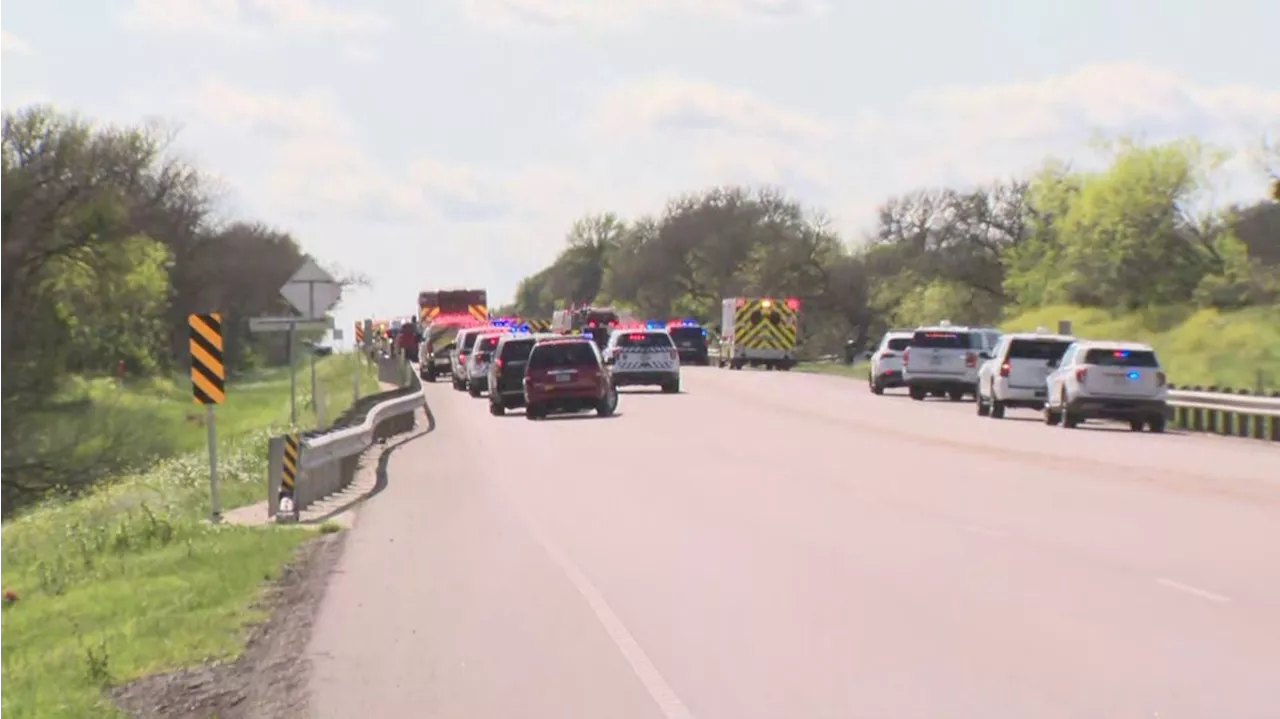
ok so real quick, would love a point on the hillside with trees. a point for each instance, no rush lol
(110, 239)
(1134, 236)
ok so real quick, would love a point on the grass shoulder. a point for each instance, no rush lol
(129, 579)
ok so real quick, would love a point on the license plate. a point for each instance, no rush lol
(935, 361)
(686, 344)
(562, 377)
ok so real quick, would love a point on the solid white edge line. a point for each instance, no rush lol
(1194, 591)
(663, 695)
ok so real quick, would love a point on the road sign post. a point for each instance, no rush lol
(208, 387)
(312, 291)
(288, 325)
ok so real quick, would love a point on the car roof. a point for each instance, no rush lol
(943, 328)
(1115, 345)
(1041, 336)
(899, 333)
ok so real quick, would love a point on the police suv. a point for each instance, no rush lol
(1016, 373)
(643, 357)
(1108, 380)
(886, 361)
(943, 360)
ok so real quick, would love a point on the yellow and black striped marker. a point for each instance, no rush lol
(765, 324)
(208, 373)
(359, 334)
(292, 448)
(479, 312)
(539, 325)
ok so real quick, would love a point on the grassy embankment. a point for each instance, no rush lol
(1205, 347)
(130, 580)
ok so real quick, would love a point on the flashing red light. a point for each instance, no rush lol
(613, 323)
(793, 303)
(970, 359)
(636, 337)
(592, 323)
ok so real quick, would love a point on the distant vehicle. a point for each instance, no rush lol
(452, 306)
(759, 332)
(595, 322)
(886, 361)
(643, 357)
(567, 374)
(507, 371)
(1108, 380)
(691, 341)
(943, 360)
(479, 360)
(463, 342)
(1016, 373)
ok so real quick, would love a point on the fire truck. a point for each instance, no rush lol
(597, 322)
(441, 313)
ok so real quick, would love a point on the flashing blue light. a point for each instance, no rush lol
(521, 328)
(653, 325)
(689, 323)
(1133, 374)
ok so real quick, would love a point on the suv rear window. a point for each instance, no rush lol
(1121, 358)
(562, 354)
(645, 339)
(943, 340)
(469, 341)
(897, 344)
(1048, 350)
(488, 343)
(688, 333)
(517, 350)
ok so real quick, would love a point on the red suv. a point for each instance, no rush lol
(567, 375)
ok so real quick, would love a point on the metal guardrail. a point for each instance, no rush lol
(328, 461)
(1236, 415)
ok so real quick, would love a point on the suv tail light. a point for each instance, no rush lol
(1160, 379)
(1004, 369)
(675, 354)
(498, 364)
(1081, 374)
(462, 356)
(970, 359)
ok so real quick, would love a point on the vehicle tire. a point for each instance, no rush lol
(430, 376)
(1069, 420)
(672, 387)
(458, 385)
(1051, 416)
(984, 409)
(735, 365)
(497, 409)
(473, 389)
(916, 393)
(997, 409)
(608, 404)
(956, 395)
(532, 412)
(1157, 424)
(1135, 425)
(876, 386)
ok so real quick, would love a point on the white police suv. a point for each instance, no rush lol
(639, 357)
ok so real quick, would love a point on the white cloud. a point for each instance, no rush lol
(249, 19)
(11, 44)
(692, 134)
(614, 14)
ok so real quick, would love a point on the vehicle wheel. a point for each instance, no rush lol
(916, 393)
(671, 387)
(458, 385)
(430, 377)
(1157, 424)
(1051, 417)
(876, 386)
(984, 409)
(473, 389)
(997, 409)
(1135, 425)
(955, 395)
(735, 365)
(608, 404)
(497, 409)
(1069, 420)
(532, 412)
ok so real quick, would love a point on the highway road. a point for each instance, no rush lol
(783, 545)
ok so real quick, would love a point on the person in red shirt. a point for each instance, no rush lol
(407, 339)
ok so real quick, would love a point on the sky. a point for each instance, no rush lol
(452, 143)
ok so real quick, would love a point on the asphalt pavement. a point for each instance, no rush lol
(788, 546)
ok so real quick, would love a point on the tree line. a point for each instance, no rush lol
(110, 239)
(1132, 235)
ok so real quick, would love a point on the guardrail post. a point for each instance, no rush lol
(275, 470)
